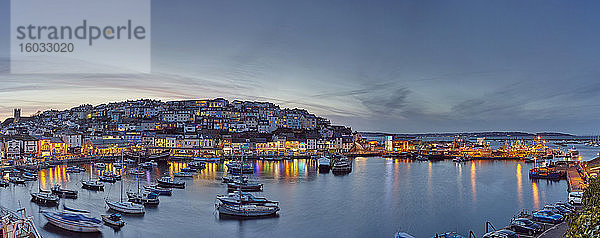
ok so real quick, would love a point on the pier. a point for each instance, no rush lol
(574, 178)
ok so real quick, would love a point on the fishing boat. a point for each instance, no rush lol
(144, 198)
(108, 179)
(573, 154)
(125, 207)
(237, 167)
(183, 174)
(324, 164)
(529, 159)
(545, 173)
(46, 199)
(72, 170)
(100, 165)
(158, 190)
(111, 174)
(197, 165)
(146, 165)
(4, 183)
(92, 185)
(233, 178)
(341, 164)
(16, 180)
(168, 182)
(73, 221)
(136, 172)
(63, 193)
(189, 170)
(421, 158)
(74, 209)
(212, 159)
(245, 186)
(113, 220)
(245, 198)
(29, 176)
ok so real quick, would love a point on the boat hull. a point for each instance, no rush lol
(228, 210)
(65, 193)
(170, 185)
(71, 226)
(245, 188)
(116, 207)
(92, 187)
(44, 201)
(112, 223)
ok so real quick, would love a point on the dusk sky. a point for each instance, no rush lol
(393, 66)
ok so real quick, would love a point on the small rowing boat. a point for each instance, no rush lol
(113, 220)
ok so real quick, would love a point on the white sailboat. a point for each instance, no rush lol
(240, 208)
(125, 207)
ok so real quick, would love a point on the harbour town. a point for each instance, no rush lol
(143, 167)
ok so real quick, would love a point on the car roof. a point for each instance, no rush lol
(508, 232)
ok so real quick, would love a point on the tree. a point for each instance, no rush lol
(586, 223)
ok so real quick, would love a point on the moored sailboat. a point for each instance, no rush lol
(73, 221)
(125, 207)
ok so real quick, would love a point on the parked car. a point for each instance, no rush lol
(566, 205)
(557, 209)
(501, 234)
(448, 235)
(547, 216)
(575, 198)
(524, 225)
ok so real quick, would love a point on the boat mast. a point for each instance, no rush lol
(241, 180)
(121, 171)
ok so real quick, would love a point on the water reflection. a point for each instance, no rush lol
(400, 194)
(519, 185)
(473, 181)
(430, 179)
(536, 198)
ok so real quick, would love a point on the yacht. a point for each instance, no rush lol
(73, 221)
(324, 164)
(238, 197)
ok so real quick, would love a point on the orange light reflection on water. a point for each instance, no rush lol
(474, 181)
(536, 196)
(519, 185)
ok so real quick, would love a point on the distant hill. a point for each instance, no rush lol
(550, 134)
(469, 134)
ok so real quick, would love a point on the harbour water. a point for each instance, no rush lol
(379, 197)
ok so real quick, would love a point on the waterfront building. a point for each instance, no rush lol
(106, 147)
(53, 146)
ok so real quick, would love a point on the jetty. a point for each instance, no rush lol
(575, 179)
